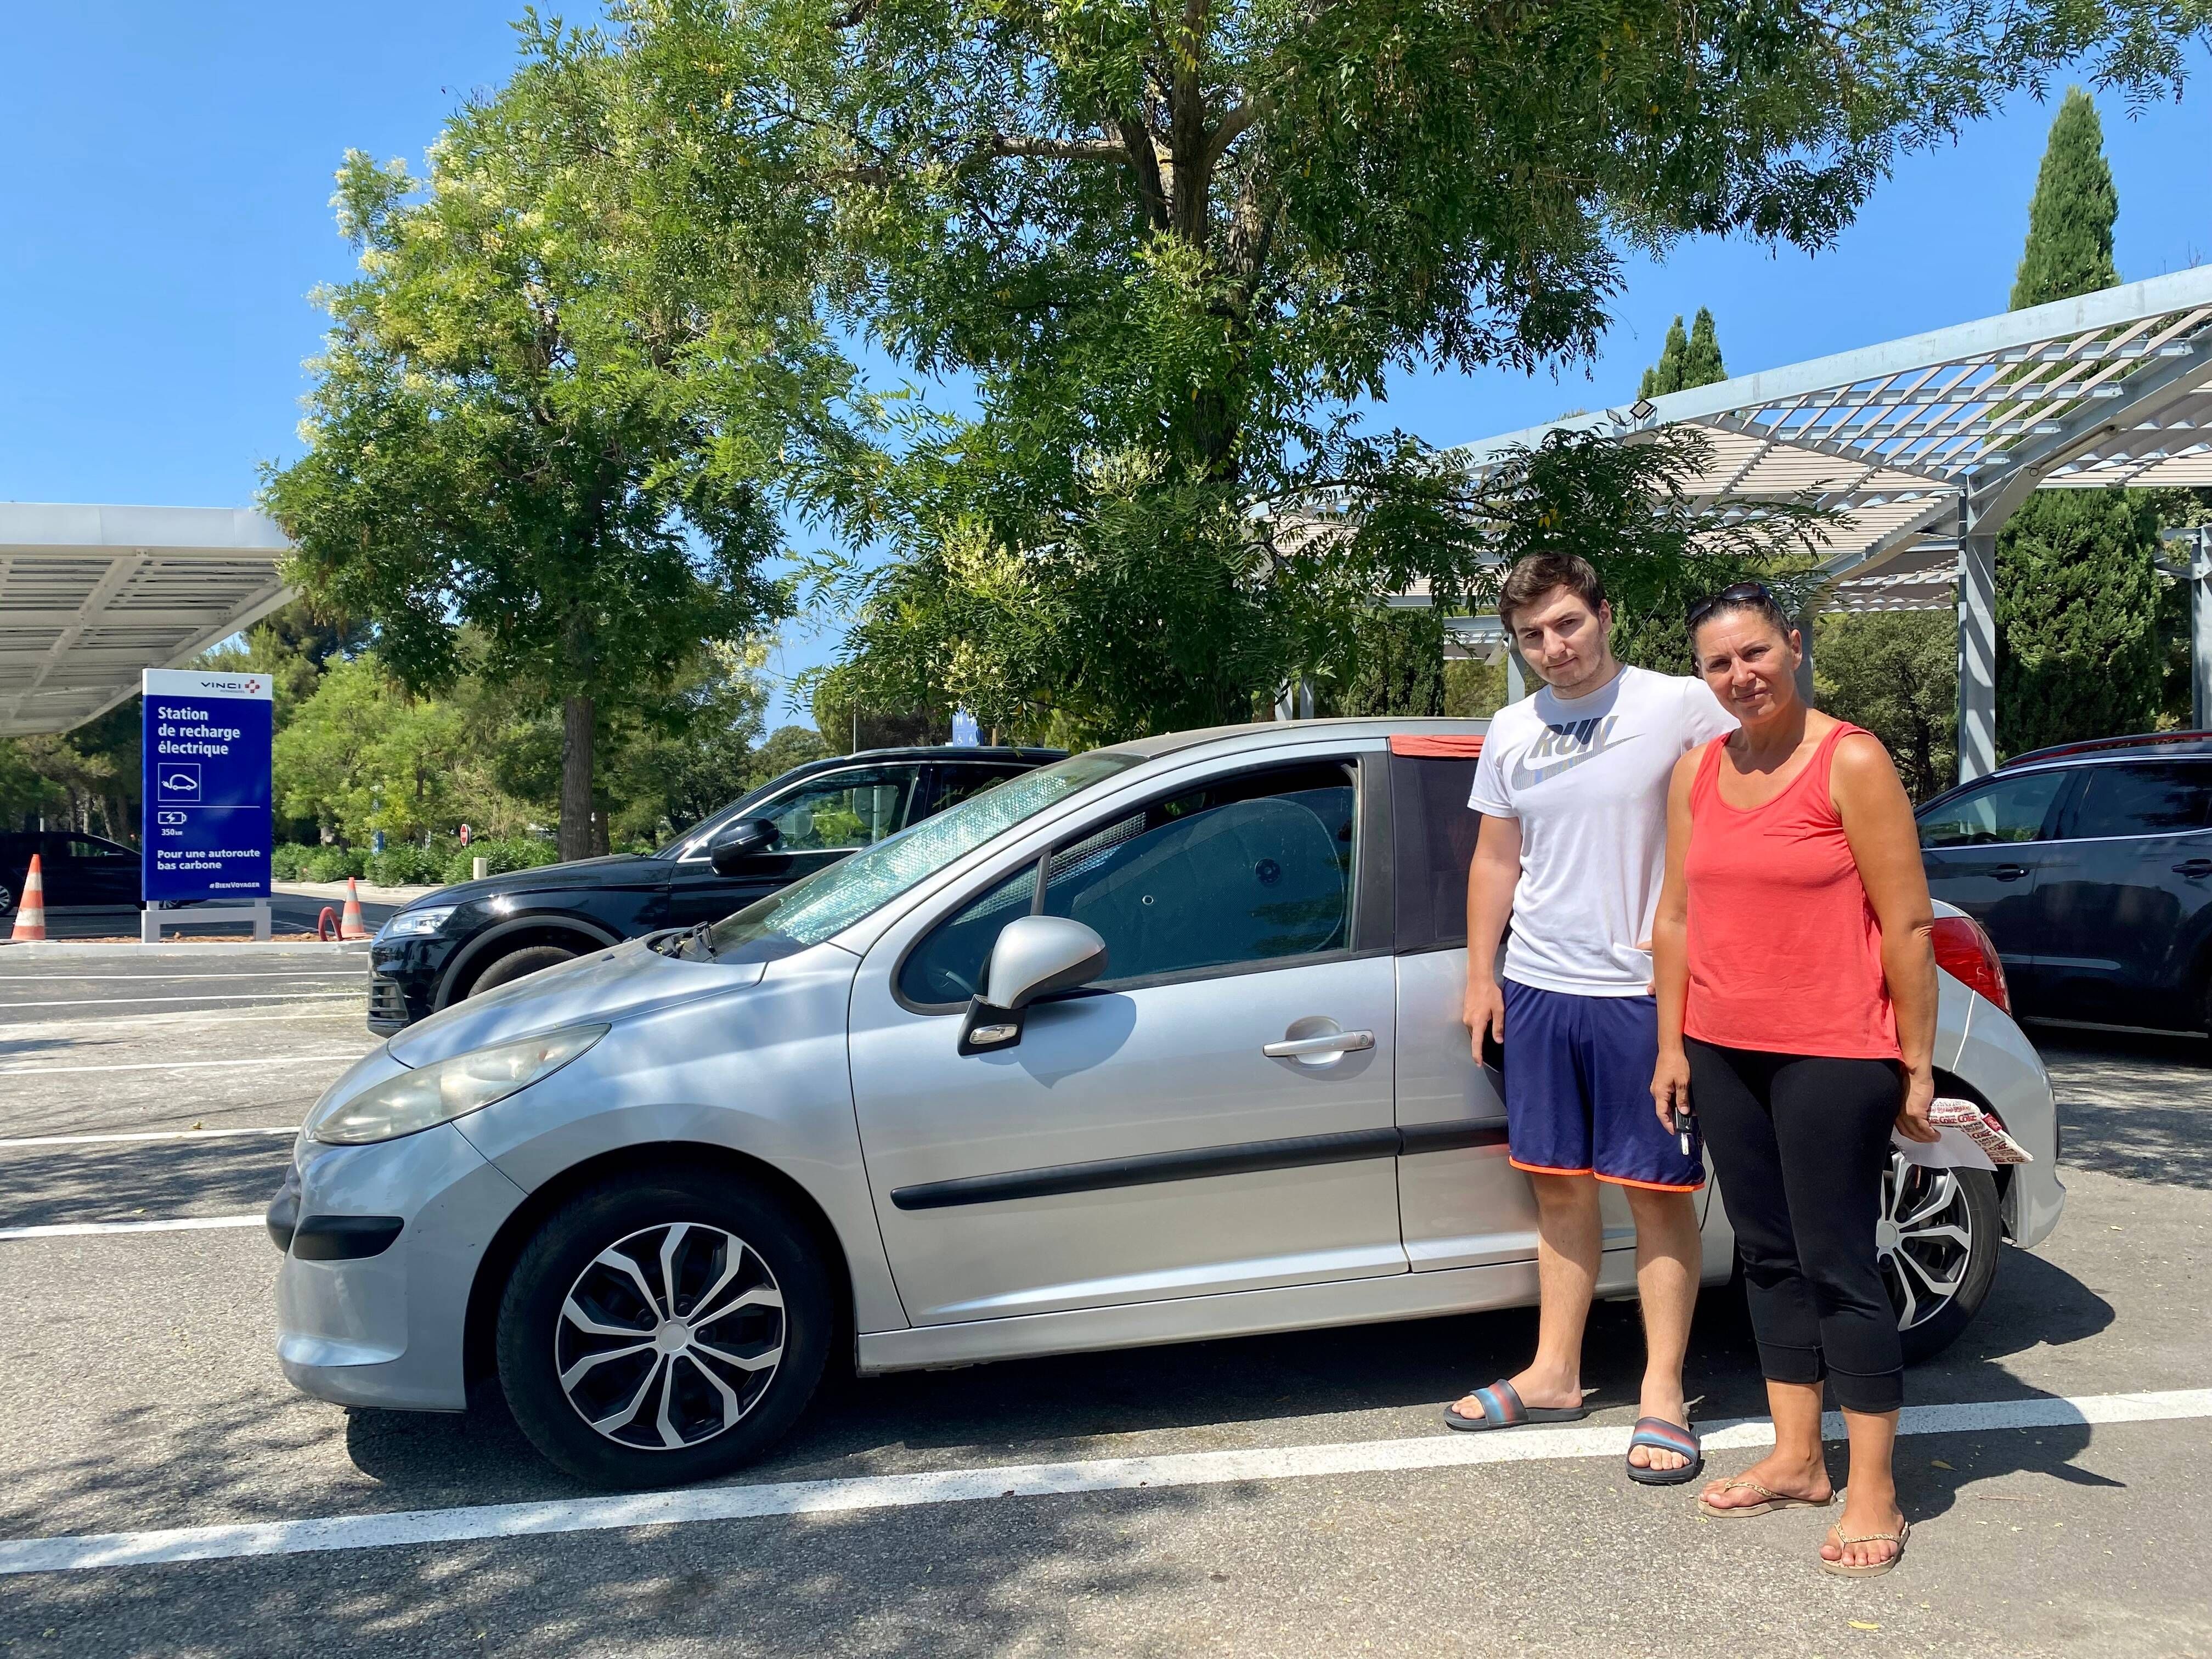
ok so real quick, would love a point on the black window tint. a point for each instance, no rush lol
(2140, 798)
(955, 783)
(949, 965)
(2007, 810)
(1253, 869)
(1435, 831)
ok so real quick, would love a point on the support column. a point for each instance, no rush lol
(2200, 631)
(1977, 653)
(1804, 626)
(1517, 683)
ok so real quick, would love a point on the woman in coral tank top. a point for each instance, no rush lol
(1796, 989)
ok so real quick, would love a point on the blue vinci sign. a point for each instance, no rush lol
(207, 828)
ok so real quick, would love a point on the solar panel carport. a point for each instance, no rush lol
(91, 595)
(1924, 446)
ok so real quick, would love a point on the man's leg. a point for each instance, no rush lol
(1567, 1241)
(1667, 1259)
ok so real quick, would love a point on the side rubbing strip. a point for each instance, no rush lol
(1154, 1168)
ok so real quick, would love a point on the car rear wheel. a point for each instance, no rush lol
(7, 897)
(515, 964)
(664, 1328)
(1937, 1240)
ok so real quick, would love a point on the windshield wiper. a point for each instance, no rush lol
(701, 936)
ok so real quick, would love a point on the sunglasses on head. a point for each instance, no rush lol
(1741, 593)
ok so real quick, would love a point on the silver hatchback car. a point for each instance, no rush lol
(1159, 1042)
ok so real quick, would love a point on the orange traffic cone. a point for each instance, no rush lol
(31, 915)
(351, 925)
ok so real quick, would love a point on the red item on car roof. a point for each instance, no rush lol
(1445, 745)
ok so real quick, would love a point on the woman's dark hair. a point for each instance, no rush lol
(1743, 596)
(1539, 573)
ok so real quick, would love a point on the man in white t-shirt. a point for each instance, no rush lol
(1573, 787)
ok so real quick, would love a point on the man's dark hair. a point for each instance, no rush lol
(1539, 573)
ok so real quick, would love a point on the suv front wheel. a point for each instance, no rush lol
(663, 1329)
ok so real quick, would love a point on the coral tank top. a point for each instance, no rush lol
(1785, 954)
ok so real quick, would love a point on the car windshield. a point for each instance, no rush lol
(830, 900)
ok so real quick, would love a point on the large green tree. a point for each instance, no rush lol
(1170, 258)
(1685, 360)
(2077, 578)
(533, 421)
(1895, 672)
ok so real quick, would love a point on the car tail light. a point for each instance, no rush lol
(1964, 951)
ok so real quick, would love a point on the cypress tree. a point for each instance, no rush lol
(1685, 360)
(1666, 375)
(2069, 222)
(1701, 363)
(2077, 581)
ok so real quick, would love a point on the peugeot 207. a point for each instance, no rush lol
(1157, 1043)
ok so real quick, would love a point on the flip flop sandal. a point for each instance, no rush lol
(1659, 1435)
(1771, 1501)
(1502, 1408)
(1876, 1571)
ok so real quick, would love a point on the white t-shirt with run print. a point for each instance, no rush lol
(1587, 777)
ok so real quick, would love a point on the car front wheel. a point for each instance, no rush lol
(664, 1328)
(515, 964)
(1937, 1240)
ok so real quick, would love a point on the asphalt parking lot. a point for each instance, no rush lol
(1282, 1496)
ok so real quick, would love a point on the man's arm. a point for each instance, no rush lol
(1491, 877)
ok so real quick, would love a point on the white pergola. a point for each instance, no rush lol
(91, 595)
(1924, 446)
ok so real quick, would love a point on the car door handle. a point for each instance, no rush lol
(2193, 868)
(1328, 1042)
(2007, 872)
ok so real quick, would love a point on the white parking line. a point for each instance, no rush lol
(163, 979)
(8, 1142)
(181, 1065)
(742, 1503)
(271, 995)
(190, 1224)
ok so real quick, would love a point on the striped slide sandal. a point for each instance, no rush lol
(1502, 1408)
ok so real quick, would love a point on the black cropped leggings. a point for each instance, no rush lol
(1800, 1144)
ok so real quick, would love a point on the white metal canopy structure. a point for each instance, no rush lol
(91, 595)
(1924, 445)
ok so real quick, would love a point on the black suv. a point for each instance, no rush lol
(462, 939)
(75, 869)
(2090, 867)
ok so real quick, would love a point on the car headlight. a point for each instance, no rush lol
(410, 922)
(453, 1088)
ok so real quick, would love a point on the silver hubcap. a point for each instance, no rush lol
(1923, 1239)
(670, 1336)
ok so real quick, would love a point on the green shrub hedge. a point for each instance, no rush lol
(511, 852)
(443, 862)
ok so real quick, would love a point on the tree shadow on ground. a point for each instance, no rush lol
(233, 1175)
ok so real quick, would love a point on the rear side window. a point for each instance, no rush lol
(2140, 798)
(2007, 810)
(1435, 831)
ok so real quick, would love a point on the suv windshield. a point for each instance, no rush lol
(812, 909)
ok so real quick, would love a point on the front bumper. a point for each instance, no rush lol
(382, 1244)
(403, 980)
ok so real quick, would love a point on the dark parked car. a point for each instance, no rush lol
(477, 934)
(2090, 865)
(78, 869)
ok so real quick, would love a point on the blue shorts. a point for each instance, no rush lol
(1578, 1091)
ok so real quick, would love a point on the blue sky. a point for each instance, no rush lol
(165, 212)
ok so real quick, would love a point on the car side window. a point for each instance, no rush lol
(2140, 798)
(1435, 831)
(2006, 810)
(1255, 868)
(955, 783)
(844, 810)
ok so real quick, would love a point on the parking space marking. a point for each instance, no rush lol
(768, 1499)
(239, 996)
(189, 1224)
(182, 1065)
(8, 1142)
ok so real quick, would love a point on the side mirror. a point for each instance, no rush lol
(743, 841)
(1035, 956)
